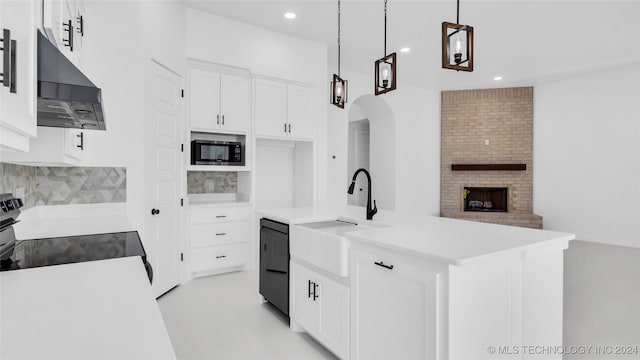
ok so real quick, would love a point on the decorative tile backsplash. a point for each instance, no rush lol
(13, 177)
(211, 182)
(65, 185)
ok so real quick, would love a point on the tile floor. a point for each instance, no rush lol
(220, 317)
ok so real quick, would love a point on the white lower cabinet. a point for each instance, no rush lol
(410, 307)
(394, 311)
(320, 305)
(219, 238)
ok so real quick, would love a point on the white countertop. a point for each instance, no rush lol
(452, 241)
(92, 310)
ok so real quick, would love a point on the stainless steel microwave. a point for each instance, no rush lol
(208, 152)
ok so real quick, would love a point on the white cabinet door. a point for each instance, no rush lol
(204, 100)
(60, 17)
(393, 310)
(17, 107)
(75, 143)
(270, 108)
(333, 326)
(235, 103)
(300, 112)
(320, 306)
(303, 309)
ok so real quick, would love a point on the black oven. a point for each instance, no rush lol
(208, 152)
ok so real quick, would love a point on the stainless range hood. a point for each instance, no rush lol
(66, 97)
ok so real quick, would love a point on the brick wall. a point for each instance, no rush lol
(504, 118)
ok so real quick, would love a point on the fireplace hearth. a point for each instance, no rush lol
(486, 199)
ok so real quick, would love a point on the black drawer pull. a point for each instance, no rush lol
(68, 27)
(315, 287)
(220, 216)
(221, 234)
(8, 61)
(309, 294)
(221, 256)
(81, 137)
(80, 29)
(390, 267)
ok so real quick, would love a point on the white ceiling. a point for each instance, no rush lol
(526, 42)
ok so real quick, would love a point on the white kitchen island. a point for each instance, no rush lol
(422, 287)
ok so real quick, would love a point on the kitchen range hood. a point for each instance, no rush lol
(66, 97)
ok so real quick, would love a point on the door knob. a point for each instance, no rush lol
(155, 211)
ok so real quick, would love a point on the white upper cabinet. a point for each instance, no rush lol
(52, 147)
(63, 17)
(300, 112)
(235, 104)
(219, 101)
(17, 101)
(204, 99)
(284, 110)
(270, 108)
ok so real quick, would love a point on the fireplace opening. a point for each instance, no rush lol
(487, 199)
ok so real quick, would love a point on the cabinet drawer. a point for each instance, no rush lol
(219, 257)
(220, 214)
(219, 234)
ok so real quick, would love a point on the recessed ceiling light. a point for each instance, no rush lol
(497, 78)
(290, 15)
(405, 49)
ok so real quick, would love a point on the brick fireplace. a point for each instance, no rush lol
(487, 156)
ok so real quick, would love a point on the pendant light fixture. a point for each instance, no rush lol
(338, 85)
(457, 45)
(385, 68)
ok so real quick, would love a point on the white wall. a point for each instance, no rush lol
(267, 53)
(587, 181)
(112, 59)
(587, 157)
(120, 38)
(417, 149)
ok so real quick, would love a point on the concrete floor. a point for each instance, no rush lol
(220, 317)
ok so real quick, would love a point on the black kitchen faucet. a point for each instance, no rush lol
(370, 210)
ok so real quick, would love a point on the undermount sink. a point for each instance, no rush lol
(324, 245)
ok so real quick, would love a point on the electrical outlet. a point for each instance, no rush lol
(19, 192)
(210, 185)
(486, 142)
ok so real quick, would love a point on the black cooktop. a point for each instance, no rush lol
(26, 254)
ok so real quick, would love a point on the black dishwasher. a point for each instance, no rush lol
(274, 263)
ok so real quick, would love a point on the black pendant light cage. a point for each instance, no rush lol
(338, 84)
(385, 68)
(457, 45)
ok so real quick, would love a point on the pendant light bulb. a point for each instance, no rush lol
(457, 57)
(339, 92)
(385, 77)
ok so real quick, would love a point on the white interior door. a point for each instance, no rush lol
(163, 156)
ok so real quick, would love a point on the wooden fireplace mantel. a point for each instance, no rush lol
(491, 167)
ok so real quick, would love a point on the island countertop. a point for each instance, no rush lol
(456, 242)
(99, 309)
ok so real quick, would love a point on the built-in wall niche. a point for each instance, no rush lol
(218, 186)
(284, 173)
(218, 138)
(488, 199)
